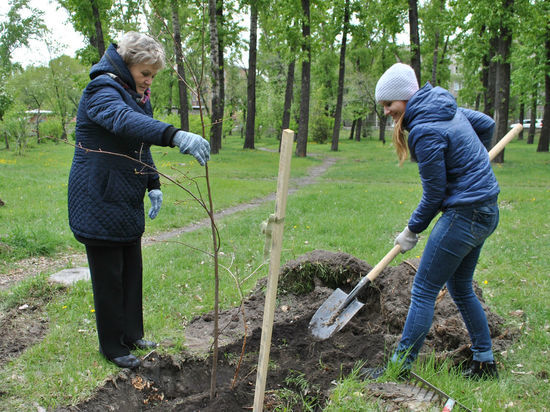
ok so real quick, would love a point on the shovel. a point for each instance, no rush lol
(340, 307)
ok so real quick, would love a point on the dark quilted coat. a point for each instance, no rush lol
(106, 191)
(449, 144)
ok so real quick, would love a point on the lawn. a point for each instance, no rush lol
(357, 206)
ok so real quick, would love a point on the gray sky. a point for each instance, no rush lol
(61, 32)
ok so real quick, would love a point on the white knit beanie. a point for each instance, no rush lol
(397, 83)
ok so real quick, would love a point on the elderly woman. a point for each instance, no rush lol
(106, 191)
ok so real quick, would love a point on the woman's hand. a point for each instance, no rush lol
(406, 239)
(193, 144)
(155, 196)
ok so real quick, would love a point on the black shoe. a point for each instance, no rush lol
(481, 370)
(128, 361)
(144, 344)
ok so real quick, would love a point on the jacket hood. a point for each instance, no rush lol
(429, 104)
(112, 62)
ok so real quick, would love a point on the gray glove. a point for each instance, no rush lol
(193, 144)
(156, 202)
(406, 239)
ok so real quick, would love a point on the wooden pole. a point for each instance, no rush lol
(274, 266)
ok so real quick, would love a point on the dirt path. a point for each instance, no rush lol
(33, 266)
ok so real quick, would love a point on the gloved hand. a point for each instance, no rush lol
(406, 239)
(156, 202)
(193, 144)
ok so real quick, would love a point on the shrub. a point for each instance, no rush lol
(50, 128)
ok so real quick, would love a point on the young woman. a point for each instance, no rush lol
(106, 211)
(450, 146)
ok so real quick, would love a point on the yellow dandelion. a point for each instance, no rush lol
(64, 307)
(485, 282)
(92, 310)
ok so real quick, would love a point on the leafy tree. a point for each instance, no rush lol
(16, 31)
(29, 90)
(6, 100)
(91, 18)
(64, 74)
(16, 127)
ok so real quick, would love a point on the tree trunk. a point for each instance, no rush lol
(382, 129)
(6, 141)
(521, 117)
(502, 99)
(545, 131)
(533, 117)
(358, 129)
(301, 144)
(217, 114)
(415, 39)
(98, 41)
(288, 95)
(351, 133)
(436, 47)
(489, 78)
(180, 68)
(341, 78)
(221, 61)
(251, 80)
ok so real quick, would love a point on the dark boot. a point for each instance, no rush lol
(128, 361)
(481, 370)
(143, 344)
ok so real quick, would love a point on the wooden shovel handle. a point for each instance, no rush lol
(504, 141)
(380, 266)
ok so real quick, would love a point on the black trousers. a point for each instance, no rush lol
(116, 273)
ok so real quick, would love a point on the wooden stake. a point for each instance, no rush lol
(274, 266)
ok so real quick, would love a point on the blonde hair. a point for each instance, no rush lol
(139, 48)
(399, 140)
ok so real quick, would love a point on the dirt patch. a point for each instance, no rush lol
(299, 365)
(21, 328)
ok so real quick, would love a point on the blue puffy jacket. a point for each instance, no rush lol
(106, 191)
(450, 145)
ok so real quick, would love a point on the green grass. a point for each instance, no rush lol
(357, 207)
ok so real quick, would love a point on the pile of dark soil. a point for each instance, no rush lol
(299, 365)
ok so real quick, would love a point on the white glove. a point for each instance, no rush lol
(193, 144)
(156, 202)
(406, 239)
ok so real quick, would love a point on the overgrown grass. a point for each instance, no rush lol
(357, 207)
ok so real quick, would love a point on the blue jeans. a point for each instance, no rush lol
(450, 257)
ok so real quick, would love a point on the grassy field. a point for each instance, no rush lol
(358, 207)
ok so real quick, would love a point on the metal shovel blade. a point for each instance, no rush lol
(323, 325)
